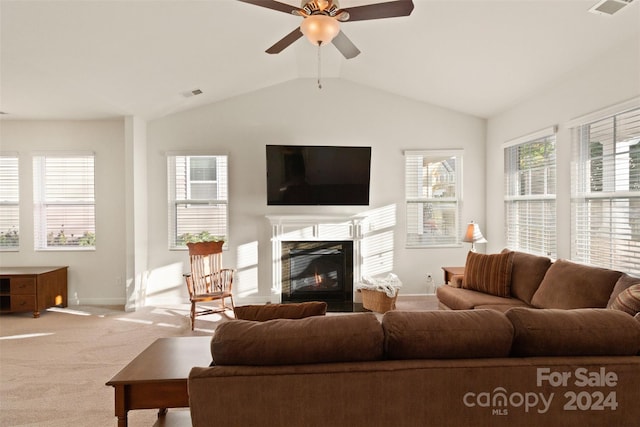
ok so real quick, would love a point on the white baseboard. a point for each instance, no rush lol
(95, 301)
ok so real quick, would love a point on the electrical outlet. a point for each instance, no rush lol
(430, 287)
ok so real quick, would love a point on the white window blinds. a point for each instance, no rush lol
(198, 199)
(9, 203)
(530, 195)
(64, 201)
(433, 182)
(605, 185)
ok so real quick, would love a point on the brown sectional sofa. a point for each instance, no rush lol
(520, 367)
(531, 281)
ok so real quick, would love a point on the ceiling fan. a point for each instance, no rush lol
(321, 23)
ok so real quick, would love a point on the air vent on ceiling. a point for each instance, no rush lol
(609, 7)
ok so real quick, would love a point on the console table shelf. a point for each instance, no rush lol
(32, 289)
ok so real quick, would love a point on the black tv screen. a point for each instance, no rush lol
(318, 175)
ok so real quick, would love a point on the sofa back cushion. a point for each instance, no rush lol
(457, 334)
(319, 339)
(527, 274)
(570, 285)
(264, 312)
(580, 332)
(490, 274)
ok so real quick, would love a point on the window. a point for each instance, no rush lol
(198, 199)
(64, 201)
(606, 192)
(530, 194)
(433, 182)
(9, 203)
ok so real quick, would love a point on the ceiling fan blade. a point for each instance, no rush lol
(345, 46)
(390, 9)
(272, 4)
(284, 42)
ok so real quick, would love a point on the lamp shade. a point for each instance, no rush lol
(320, 29)
(473, 234)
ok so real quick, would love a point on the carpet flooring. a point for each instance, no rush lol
(53, 369)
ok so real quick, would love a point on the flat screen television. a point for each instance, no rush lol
(318, 175)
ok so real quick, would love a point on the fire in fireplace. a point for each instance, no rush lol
(317, 271)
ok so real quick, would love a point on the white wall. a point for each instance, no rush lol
(95, 277)
(613, 78)
(297, 112)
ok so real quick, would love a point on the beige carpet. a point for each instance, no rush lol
(53, 369)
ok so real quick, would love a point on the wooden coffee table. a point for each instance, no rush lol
(157, 377)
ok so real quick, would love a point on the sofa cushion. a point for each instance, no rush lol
(466, 299)
(624, 282)
(461, 334)
(628, 300)
(570, 285)
(527, 274)
(266, 312)
(318, 339)
(488, 273)
(580, 332)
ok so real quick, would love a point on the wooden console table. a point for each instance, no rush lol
(32, 289)
(449, 272)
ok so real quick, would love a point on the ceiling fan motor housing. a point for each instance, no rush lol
(324, 7)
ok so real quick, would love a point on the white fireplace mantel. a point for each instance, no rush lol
(312, 228)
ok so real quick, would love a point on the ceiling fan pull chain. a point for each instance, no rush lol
(319, 67)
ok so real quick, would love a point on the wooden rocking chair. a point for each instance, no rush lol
(208, 281)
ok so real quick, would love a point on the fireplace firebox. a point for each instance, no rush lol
(317, 271)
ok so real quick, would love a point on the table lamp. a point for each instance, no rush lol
(473, 235)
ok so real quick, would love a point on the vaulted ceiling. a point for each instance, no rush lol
(88, 59)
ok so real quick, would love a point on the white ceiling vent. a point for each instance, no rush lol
(609, 7)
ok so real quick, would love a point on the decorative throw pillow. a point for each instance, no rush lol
(628, 300)
(490, 274)
(624, 282)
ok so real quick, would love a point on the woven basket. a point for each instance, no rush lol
(377, 301)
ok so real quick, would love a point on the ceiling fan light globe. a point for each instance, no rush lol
(320, 29)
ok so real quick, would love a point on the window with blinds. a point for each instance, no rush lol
(9, 203)
(64, 201)
(530, 195)
(605, 186)
(198, 199)
(433, 183)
